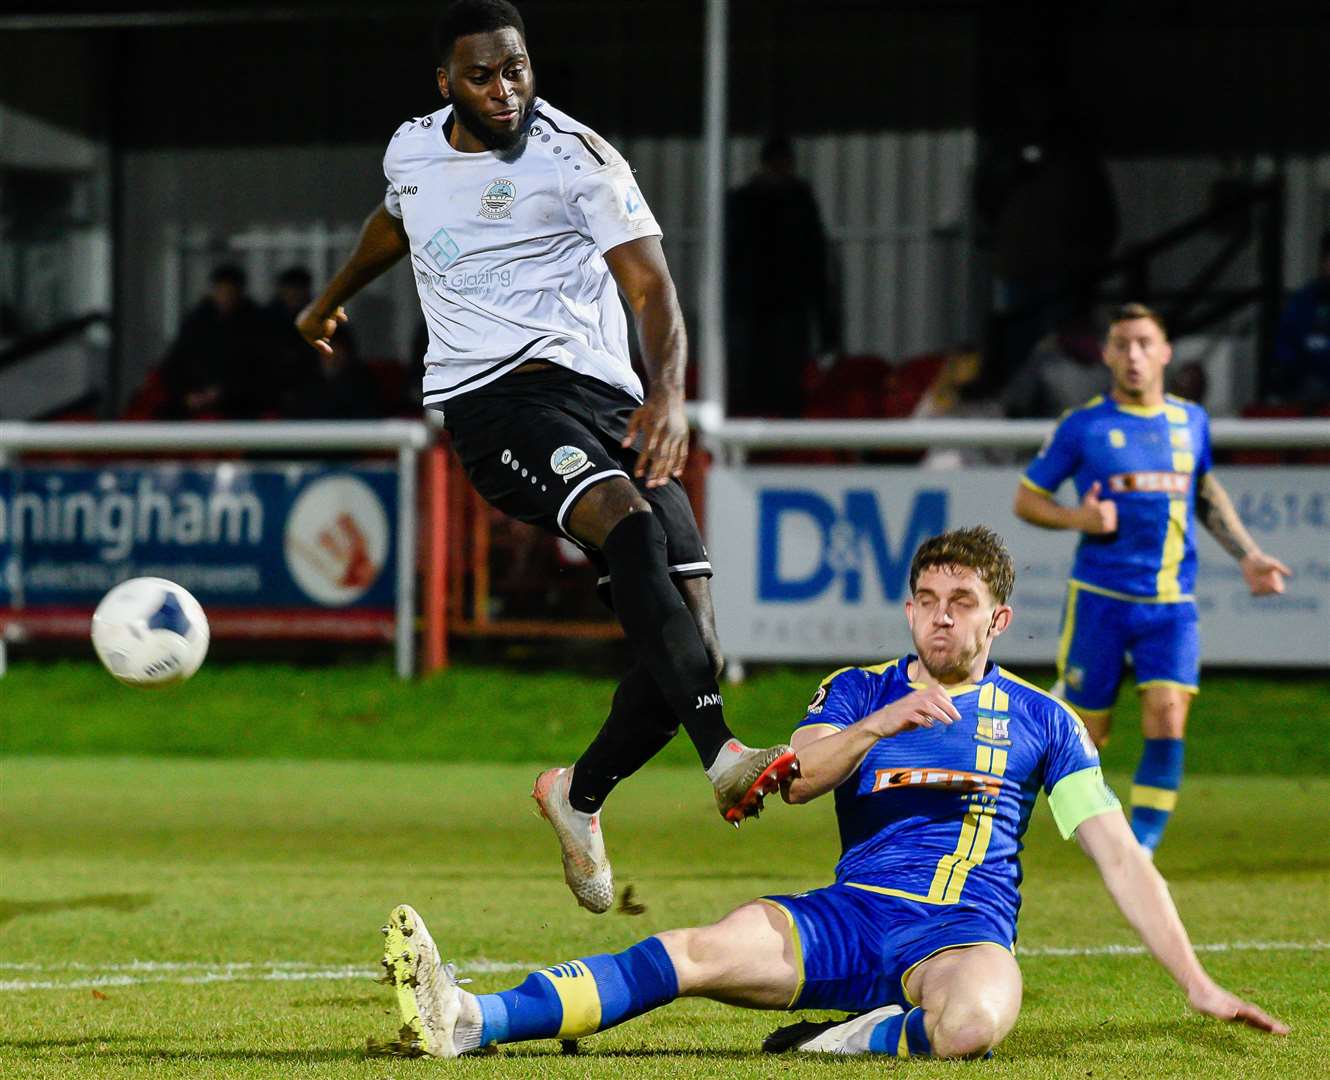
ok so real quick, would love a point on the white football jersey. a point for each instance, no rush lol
(507, 249)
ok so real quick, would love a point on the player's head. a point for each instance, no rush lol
(1136, 350)
(484, 70)
(960, 582)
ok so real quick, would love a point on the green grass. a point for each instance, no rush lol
(1241, 725)
(266, 874)
(112, 861)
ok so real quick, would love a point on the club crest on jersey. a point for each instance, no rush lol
(496, 201)
(568, 461)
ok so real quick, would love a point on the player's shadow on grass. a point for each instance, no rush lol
(87, 1041)
(316, 1056)
(126, 902)
(515, 1053)
(1037, 1043)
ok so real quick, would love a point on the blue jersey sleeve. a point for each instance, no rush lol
(844, 698)
(1070, 748)
(1059, 458)
(1073, 778)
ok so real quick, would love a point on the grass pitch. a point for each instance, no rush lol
(218, 918)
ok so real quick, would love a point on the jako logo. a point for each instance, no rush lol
(844, 539)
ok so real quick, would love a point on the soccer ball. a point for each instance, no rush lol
(150, 632)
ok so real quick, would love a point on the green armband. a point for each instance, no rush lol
(1079, 796)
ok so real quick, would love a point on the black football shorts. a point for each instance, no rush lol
(534, 442)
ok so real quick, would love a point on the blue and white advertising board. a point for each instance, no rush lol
(812, 564)
(264, 542)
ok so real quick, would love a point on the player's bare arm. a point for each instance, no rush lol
(640, 272)
(1144, 900)
(383, 241)
(827, 760)
(1094, 516)
(1215, 510)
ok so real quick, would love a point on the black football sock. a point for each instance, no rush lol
(661, 630)
(638, 727)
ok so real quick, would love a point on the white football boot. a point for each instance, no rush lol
(585, 867)
(439, 1018)
(829, 1036)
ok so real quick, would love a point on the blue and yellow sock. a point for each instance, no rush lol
(901, 1035)
(581, 997)
(1154, 791)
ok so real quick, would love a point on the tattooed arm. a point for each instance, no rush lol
(1215, 510)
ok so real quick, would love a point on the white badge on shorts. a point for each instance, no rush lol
(569, 461)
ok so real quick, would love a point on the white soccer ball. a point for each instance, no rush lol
(150, 632)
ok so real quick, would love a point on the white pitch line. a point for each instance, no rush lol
(142, 972)
(1213, 947)
(190, 973)
(480, 964)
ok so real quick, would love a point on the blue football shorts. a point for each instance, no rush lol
(857, 947)
(1099, 632)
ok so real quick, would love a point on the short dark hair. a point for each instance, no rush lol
(295, 277)
(1126, 312)
(229, 273)
(977, 548)
(464, 17)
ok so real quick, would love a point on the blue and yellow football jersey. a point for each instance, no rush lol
(936, 815)
(1148, 461)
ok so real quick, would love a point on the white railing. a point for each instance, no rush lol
(406, 437)
(736, 437)
(731, 438)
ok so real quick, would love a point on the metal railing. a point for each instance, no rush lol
(735, 438)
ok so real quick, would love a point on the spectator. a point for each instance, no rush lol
(1048, 213)
(295, 363)
(1301, 371)
(295, 289)
(340, 387)
(778, 290)
(1190, 381)
(1065, 369)
(219, 364)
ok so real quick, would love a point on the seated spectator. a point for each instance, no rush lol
(1301, 372)
(1189, 381)
(218, 366)
(961, 391)
(340, 388)
(1064, 370)
(295, 362)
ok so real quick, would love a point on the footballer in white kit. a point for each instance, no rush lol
(523, 228)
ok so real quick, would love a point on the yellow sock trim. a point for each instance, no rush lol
(1155, 798)
(579, 996)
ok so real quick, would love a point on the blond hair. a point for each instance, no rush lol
(1127, 312)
